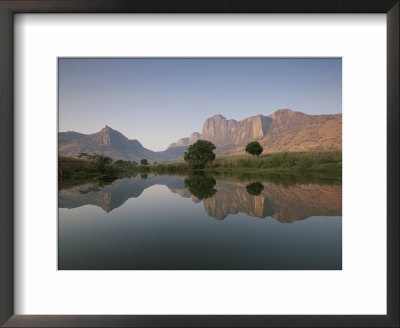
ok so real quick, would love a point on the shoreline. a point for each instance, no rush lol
(325, 165)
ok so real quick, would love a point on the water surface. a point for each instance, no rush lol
(201, 222)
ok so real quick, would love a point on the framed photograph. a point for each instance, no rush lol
(199, 164)
(285, 166)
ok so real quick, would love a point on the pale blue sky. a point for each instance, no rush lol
(157, 101)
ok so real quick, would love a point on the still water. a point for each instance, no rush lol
(151, 222)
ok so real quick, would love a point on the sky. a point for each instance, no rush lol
(158, 101)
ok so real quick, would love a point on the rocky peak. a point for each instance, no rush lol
(110, 137)
(283, 111)
(284, 116)
(217, 117)
(288, 117)
(106, 129)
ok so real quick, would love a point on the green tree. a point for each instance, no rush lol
(144, 161)
(254, 188)
(120, 162)
(103, 163)
(88, 156)
(199, 154)
(254, 148)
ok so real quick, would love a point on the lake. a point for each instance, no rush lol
(200, 222)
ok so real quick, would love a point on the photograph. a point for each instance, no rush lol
(204, 163)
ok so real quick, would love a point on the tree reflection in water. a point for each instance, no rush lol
(255, 188)
(95, 187)
(201, 185)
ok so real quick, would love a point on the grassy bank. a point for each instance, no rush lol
(322, 164)
(285, 179)
(311, 161)
(72, 168)
(68, 167)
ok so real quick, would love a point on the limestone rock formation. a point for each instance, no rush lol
(284, 130)
(221, 131)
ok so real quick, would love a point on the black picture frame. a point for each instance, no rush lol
(10, 7)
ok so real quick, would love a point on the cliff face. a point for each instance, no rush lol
(284, 130)
(288, 117)
(221, 131)
(295, 131)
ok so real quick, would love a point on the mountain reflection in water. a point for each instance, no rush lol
(220, 198)
(201, 222)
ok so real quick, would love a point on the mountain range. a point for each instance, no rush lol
(114, 144)
(284, 130)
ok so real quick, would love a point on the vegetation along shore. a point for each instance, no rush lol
(327, 164)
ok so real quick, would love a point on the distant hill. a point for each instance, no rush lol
(284, 130)
(113, 144)
(186, 141)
